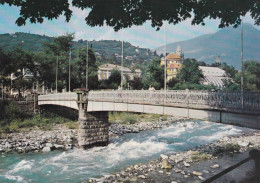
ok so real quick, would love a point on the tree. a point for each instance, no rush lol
(123, 14)
(115, 77)
(21, 62)
(230, 70)
(79, 70)
(155, 74)
(190, 72)
(136, 83)
(60, 46)
(251, 76)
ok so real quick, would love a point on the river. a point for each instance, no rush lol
(79, 165)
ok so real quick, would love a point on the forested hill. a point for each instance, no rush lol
(106, 49)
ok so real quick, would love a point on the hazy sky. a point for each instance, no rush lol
(143, 36)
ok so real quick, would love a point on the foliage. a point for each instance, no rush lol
(136, 83)
(154, 74)
(16, 121)
(104, 50)
(190, 72)
(251, 76)
(225, 148)
(230, 70)
(198, 156)
(123, 14)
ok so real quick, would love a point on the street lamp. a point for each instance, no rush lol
(87, 68)
(242, 73)
(122, 59)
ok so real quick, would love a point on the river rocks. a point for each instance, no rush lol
(186, 164)
(201, 178)
(166, 164)
(35, 140)
(243, 144)
(196, 173)
(46, 149)
(141, 176)
(163, 156)
(214, 166)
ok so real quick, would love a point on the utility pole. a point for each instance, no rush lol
(122, 60)
(242, 66)
(165, 61)
(57, 60)
(87, 68)
(69, 68)
(2, 91)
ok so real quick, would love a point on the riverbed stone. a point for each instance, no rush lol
(196, 173)
(186, 164)
(214, 166)
(163, 156)
(46, 149)
(166, 164)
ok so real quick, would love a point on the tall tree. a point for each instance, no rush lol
(21, 63)
(190, 72)
(79, 70)
(155, 74)
(123, 14)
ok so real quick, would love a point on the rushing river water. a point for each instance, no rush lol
(79, 165)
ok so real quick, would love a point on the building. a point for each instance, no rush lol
(174, 63)
(104, 71)
(213, 76)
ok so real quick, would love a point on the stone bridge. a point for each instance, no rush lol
(224, 107)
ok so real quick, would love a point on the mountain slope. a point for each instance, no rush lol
(225, 43)
(107, 49)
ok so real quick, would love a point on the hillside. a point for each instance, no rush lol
(225, 43)
(107, 50)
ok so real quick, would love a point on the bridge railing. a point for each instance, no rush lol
(70, 96)
(228, 101)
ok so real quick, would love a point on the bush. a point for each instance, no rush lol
(225, 148)
(197, 156)
(129, 118)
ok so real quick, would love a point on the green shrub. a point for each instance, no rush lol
(129, 118)
(230, 147)
(197, 156)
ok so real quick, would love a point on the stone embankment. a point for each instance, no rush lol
(36, 140)
(191, 166)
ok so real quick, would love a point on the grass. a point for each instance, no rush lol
(197, 156)
(131, 118)
(14, 121)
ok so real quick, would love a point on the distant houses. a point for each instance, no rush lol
(104, 71)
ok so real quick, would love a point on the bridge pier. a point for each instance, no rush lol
(93, 126)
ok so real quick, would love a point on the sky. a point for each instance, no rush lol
(143, 36)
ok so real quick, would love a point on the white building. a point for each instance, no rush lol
(213, 76)
(104, 71)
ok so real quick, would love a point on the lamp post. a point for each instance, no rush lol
(69, 68)
(57, 60)
(242, 72)
(87, 68)
(122, 59)
(165, 60)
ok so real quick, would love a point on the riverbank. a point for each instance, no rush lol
(193, 165)
(62, 138)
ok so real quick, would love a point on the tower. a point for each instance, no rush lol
(179, 51)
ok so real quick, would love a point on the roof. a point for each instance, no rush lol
(110, 67)
(212, 71)
(213, 76)
(173, 56)
(174, 65)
